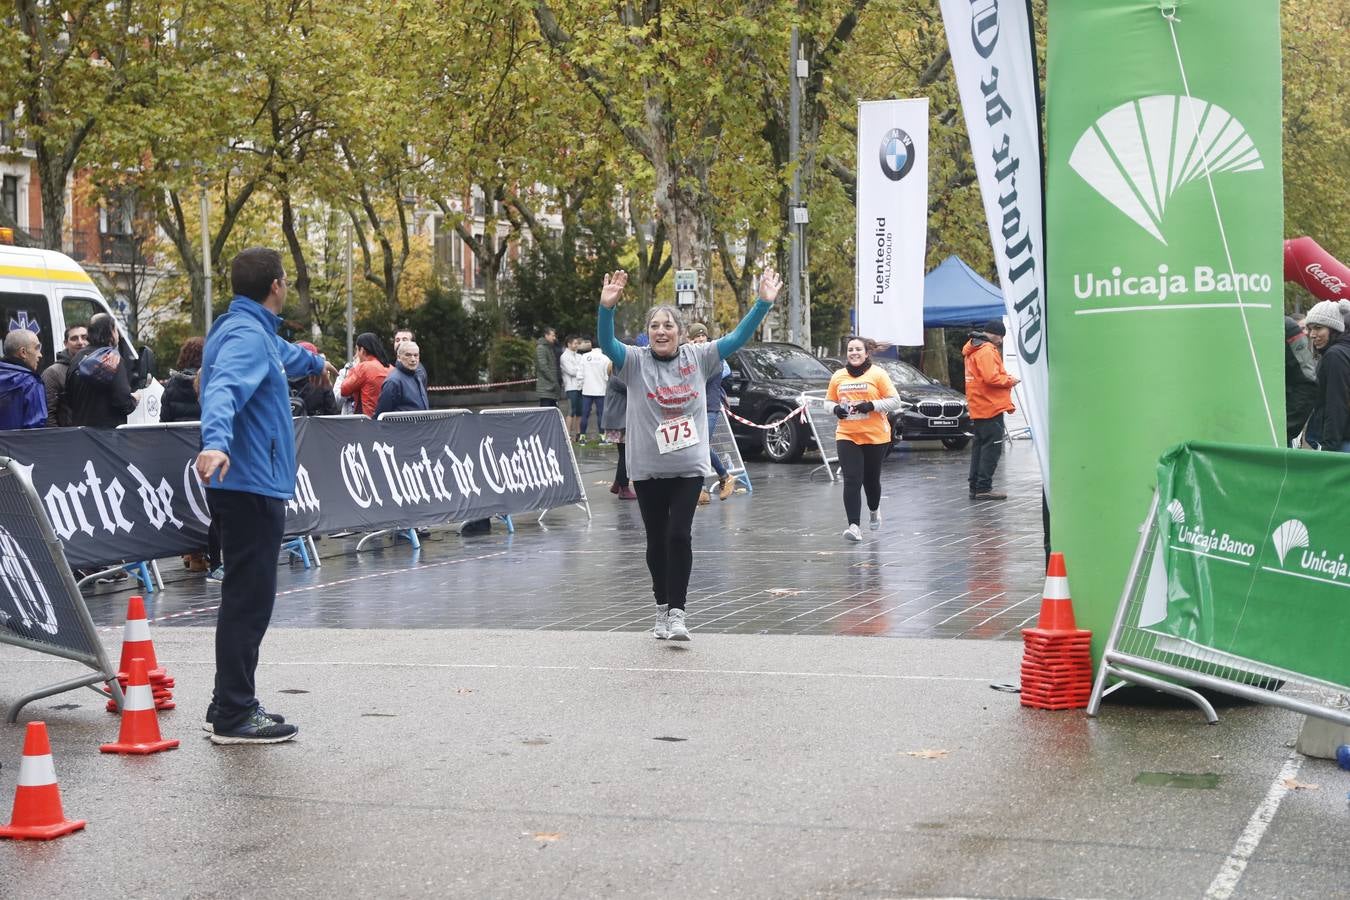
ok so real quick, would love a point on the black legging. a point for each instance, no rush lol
(667, 506)
(621, 472)
(862, 469)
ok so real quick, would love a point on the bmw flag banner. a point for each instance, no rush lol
(892, 219)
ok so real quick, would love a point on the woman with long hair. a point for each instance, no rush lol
(364, 381)
(862, 395)
(666, 436)
(180, 401)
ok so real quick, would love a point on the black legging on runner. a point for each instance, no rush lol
(621, 472)
(667, 506)
(862, 469)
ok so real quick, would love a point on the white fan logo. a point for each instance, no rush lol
(1140, 153)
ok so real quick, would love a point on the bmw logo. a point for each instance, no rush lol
(897, 154)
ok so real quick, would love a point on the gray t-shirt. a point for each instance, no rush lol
(660, 391)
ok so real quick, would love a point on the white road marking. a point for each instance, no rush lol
(1226, 882)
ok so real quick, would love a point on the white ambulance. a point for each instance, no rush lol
(44, 292)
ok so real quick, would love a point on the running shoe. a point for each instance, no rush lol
(853, 533)
(627, 494)
(661, 630)
(703, 498)
(217, 574)
(875, 521)
(256, 729)
(678, 630)
(209, 726)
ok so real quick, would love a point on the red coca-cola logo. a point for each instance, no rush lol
(1329, 281)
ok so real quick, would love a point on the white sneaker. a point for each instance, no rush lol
(661, 630)
(678, 631)
(853, 533)
(875, 522)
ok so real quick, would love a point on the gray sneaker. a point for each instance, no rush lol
(209, 726)
(217, 574)
(874, 522)
(661, 630)
(853, 533)
(678, 630)
(256, 729)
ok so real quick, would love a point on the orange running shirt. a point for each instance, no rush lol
(874, 385)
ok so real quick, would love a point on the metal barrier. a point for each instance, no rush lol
(571, 453)
(1134, 654)
(723, 443)
(820, 415)
(40, 604)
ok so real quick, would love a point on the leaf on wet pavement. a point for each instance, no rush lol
(784, 592)
(547, 837)
(927, 754)
(464, 690)
(1295, 785)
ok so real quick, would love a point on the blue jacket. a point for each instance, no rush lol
(22, 398)
(246, 400)
(403, 391)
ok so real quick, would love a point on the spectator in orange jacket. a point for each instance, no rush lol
(364, 381)
(989, 396)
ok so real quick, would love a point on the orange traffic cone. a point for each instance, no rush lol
(37, 800)
(1056, 654)
(1056, 607)
(136, 642)
(140, 722)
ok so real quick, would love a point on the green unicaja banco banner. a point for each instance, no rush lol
(1257, 557)
(1164, 211)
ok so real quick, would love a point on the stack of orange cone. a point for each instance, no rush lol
(1056, 654)
(136, 643)
(37, 800)
(140, 721)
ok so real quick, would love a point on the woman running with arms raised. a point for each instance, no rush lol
(667, 434)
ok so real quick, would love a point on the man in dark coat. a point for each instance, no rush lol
(54, 376)
(548, 378)
(405, 387)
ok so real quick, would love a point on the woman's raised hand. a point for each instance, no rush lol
(770, 283)
(613, 288)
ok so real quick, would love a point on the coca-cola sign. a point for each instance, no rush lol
(1325, 278)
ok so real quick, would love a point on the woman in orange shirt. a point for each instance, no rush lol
(367, 376)
(862, 395)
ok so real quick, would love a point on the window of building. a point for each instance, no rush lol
(9, 198)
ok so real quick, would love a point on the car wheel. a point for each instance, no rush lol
(787, 442)
(955, 443)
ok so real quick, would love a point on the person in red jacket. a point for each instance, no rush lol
(989, 396)
(364, 381)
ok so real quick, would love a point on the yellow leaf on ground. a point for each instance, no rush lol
(927, 754)
(547, 836)
(1296, 785)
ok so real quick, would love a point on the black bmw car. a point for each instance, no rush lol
(765, 382)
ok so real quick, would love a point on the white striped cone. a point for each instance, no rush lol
(37, 800)
(140, 722)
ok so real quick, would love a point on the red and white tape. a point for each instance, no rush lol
(479, 387)
(799, 411)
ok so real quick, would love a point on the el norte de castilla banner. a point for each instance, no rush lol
(132, 494)
(993, 60)
(1164, 210)
(892, 225)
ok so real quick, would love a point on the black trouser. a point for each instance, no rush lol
(621, 472)
(213, 560)
(861, 464)
(668, 506)
(985, 451)
(251, 527)
(548, 401)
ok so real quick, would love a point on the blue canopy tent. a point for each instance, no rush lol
(953, 294)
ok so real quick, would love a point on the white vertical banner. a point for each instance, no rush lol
(892, 219)
(992, 57)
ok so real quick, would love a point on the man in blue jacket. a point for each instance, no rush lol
(248, 448)
(23, 401)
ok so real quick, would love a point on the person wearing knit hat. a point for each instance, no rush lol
(1330, 423)
(1300, 378)
(988, 396)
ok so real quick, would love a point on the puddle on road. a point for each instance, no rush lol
(1204, 780)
